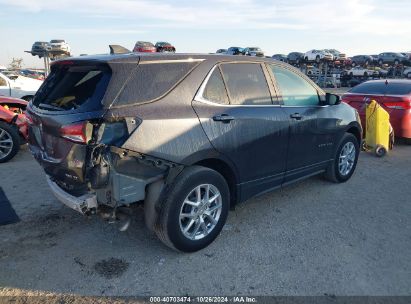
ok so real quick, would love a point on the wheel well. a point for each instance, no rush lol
(224, 169)
(354, 131)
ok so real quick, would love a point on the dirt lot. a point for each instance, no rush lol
(312, 238)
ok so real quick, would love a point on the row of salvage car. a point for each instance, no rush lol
(315, 55)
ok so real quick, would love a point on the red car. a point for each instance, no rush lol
(393, 95)
(144, 47)
(13, 126)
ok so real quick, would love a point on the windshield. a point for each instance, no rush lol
(56, 41)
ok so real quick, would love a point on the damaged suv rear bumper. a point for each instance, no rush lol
(82, 204)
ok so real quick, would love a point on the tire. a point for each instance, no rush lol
(353, 64)
(317, 59)
(306, 59)
(365, 74)
(10, 138)
(380, 151)
(333, 172)
(409, 75)
(380, 62)
(396, 62)
(169, 227)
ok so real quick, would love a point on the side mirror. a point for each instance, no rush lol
(332, 99)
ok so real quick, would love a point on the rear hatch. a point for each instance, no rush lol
(61, 118)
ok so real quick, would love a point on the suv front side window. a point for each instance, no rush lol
(246, 84)
(295, 90)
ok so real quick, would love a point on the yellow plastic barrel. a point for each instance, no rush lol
(378, 128)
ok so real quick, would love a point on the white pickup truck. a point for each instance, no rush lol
(19, 86)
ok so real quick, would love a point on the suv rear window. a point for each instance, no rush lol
(76, 88)
(151, 81)
(377, 88)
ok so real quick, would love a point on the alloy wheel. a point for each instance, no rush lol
(6, 143)
(200, 211)
(346, 159)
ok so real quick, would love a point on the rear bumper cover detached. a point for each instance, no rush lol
(82, 204)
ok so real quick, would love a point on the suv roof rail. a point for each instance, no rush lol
(118, 49)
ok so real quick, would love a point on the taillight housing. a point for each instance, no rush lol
(402, 104)
(79, 132)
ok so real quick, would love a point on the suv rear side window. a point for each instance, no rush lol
(295, 90)
(153, 80)
(246, 84)
(377, 88)
(72, 88)
(215, 89)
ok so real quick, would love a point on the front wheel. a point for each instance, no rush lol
(345, 160)
(194, 211)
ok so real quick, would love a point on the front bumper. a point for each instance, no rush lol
(82, 204)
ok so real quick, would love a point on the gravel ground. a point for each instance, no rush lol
(311, 238)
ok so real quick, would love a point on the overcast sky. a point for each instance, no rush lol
(277, 26)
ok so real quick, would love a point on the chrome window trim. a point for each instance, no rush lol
(199, 96)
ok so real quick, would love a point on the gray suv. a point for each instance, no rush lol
(189, 136)
(391, 58)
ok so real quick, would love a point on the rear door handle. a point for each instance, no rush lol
(223, 118)
(296, 116)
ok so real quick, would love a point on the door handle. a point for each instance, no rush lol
(223, 118)
(296, 116)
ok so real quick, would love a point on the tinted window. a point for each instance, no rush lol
(295, 90)
(215, 88)
(398, 89)
(71, 88)
(377, 88)
(246, 84)
(151, 81)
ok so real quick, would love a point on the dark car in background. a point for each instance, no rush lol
(144, 47)
(235, 50)
(393, 95)
(165, 47)
(221, 51)
(253, 51)
(391, 58)
(178, 132)
(280, 57)
(295, 57)
(39, 48)
(361, 60)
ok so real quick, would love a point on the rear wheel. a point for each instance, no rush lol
(194, 211)
(9, 142)
(345, 160)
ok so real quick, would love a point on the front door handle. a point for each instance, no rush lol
(296, 116)
(223, 118)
